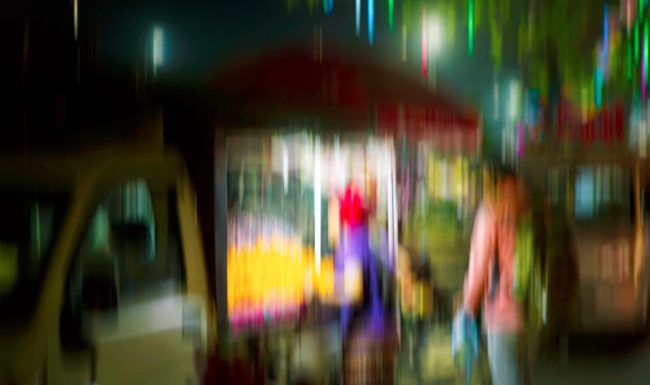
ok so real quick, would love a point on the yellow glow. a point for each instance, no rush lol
(75, 17)
(274, 273)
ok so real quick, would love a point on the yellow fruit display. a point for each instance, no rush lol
(272, 276)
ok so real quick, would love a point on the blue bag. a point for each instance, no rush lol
(464, 342)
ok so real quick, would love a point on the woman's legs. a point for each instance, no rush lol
(508, 359)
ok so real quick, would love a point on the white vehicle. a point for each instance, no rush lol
(102, 271)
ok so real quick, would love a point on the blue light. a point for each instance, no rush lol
(598, 97)
(603, 59)
(328, 5)
(606, 24)
(371, 21)
(157, 51)
(357, 16)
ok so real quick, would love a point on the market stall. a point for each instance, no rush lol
(309, 198)
(314, 152)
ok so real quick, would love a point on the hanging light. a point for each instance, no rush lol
(470, 27)
(328, 5)
(644, 66)
(357, 16)
(371, 21)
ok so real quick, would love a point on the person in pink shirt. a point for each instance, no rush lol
(489, 280)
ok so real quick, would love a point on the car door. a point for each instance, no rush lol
(131, 312)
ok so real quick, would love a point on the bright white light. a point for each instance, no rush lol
(285, 167)
(158, 37)
(317, 203)
(514, 99)
(642, 138)
(434, 35)
(357, 16)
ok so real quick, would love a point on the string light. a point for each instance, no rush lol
(470, 27)
(75, 18)
(644, 68)
(328, 5)
(371, 21)
(404, 42)
(357, 16)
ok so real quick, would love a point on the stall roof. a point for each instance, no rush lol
(293, 84)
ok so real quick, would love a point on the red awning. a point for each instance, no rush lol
(350, 93)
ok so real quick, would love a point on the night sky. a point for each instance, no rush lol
(202, 35)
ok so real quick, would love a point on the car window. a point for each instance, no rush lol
(602, 192)
(133, 238)
(31, 221)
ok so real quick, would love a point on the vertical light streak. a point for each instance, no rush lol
(392, 200)
(285, 167)
(636, 42)
(644, 68)
(317, 203)
(393, 178)
(597, 87)
(605, 52)
(357, 16)
(389, 195)
(391, 14)
(75, 18)
(424, 43)
(470, 27)
(503, 145)
(328, 5)
(496, 100)
(514, 99)
(371, 21)
(584, 96)
(157, 49)
(628, 14)
(606, 33)
(404, 43)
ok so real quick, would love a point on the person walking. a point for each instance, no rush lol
(490, 278)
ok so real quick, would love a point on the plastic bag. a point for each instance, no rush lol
(464, 343)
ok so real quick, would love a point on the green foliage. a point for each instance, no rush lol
(547, 34)
(524, 259)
